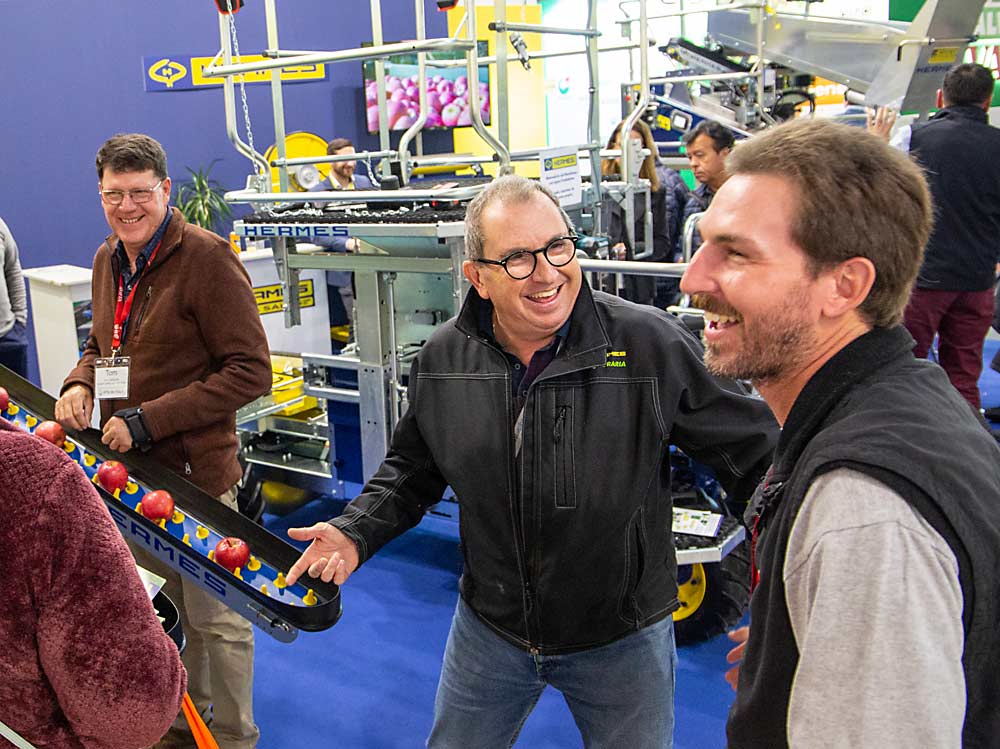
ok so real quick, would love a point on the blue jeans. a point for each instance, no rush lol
(14, 349)
(620, 695)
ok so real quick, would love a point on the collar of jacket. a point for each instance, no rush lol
(585, 344)
(171, 239)
(858, 360)
(964, 111)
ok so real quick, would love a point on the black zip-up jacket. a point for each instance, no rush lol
(876, 409)
(567, 545)
(959, 151)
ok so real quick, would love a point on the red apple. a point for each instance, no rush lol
(51, 431)
(158, 505)
(4, 399)
(232, 552)
(112, 475)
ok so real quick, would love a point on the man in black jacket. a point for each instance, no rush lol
(953, 298)
(876, 538)
(549, 409)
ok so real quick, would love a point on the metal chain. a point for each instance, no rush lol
(243, 87)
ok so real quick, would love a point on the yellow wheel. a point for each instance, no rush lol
(690, 590)
(281, 499)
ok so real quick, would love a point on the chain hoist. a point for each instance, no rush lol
(243, 86)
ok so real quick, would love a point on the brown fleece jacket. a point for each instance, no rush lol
(84, 660)
(198, 350)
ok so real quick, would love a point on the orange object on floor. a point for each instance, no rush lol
(202, 736)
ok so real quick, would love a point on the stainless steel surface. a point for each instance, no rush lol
(592, 201)
(267, 405)
(417, 126)
(339, 361)
(634, 268)
(540, 55)
(913, 73)
(375, 52)
(357, 156)
(699, 77)
(229, 102)
(375, 6)
(534, 28)
(341, 395)
(289, 462)
(277, 100)
(472, 73)
(500, 47)
(373, 263)
(896, 63)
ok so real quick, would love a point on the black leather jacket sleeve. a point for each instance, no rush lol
(404, 486)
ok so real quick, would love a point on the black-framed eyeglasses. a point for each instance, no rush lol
(521, 263)
(142, 195)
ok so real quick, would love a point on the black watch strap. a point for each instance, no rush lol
(136, 424)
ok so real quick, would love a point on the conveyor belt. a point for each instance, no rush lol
(280, 611)
(424, 214)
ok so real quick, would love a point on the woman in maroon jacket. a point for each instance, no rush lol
(85, 661)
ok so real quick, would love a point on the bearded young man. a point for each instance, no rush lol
(875, 535)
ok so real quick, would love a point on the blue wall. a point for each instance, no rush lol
(71, 75)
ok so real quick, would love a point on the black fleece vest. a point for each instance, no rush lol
(960, 154)
(877, 410)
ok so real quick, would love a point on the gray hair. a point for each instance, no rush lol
(509, 190)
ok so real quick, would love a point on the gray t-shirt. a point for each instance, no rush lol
(876, 610)
(13, 299)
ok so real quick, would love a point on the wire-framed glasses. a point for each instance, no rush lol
(141, 195)
(521, 263)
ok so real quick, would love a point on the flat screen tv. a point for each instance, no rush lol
(447, 91)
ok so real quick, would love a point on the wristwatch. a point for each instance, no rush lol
(136, 424)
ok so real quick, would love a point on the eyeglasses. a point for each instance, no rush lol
(142, 195)
(521, 264)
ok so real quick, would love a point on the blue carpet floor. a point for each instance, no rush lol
(369, 682)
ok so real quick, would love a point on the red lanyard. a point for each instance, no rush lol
(123, 307)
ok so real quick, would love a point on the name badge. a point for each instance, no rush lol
(111, 377)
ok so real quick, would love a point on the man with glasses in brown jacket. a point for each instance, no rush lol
(174, 315)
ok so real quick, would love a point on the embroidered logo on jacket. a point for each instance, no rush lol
(615, 359)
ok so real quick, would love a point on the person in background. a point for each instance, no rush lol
(85, 661)
(663, 205)
(342, 177)
(875, 535)
(953, 297)
(13, 307)
(707, 144)
(570, 578)
(172, 303)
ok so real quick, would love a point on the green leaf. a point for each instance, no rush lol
(201, 201)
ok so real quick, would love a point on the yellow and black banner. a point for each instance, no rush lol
(271, 298)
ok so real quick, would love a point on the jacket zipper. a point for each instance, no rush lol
(142, 312)
(184, 454)
(557, 428)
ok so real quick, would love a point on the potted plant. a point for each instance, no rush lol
(201, 201)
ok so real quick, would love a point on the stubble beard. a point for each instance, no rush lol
(772, 347)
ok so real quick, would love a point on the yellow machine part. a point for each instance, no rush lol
(279, 495)
(286, 385)
(690, 593)
(298, 146)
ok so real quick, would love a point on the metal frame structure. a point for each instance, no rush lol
(440, 248)
(394, 253)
